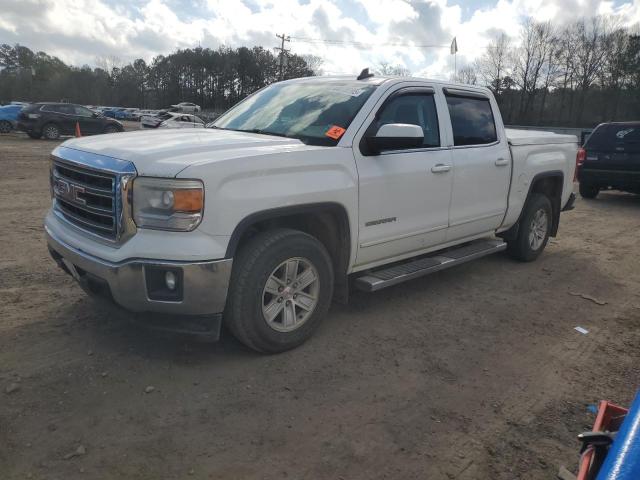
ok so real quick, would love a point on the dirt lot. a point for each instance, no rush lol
(472, 373)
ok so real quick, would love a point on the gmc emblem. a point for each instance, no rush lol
(68, 191)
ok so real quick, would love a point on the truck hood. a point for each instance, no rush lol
(165, 153)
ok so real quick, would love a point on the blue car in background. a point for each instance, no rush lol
(110, 112)
(9, 117)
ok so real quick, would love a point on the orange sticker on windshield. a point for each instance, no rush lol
(335, 132)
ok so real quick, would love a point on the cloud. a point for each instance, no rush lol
(81, 31)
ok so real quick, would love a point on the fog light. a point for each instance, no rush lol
(170, 280)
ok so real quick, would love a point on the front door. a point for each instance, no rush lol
(89, 123)
(404, 195)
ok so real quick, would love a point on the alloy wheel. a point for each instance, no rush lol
(538, 229)
(290, 294)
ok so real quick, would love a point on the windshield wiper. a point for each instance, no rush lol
(264, 132)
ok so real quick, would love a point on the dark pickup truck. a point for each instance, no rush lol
(610, 158)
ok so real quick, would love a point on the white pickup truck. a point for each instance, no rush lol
(302, 191)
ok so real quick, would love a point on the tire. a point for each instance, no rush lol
(111, 129)
(261, 265)
(588, 191)
(34, 135)
(5, 127)
(533, 231)
(51, 131)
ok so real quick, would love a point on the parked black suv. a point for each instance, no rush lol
(50, 120)
(610, 159)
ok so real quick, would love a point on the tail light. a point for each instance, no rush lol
(580, 158)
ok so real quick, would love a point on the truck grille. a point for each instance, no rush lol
(86, 198)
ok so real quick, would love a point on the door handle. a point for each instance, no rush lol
(440, 168)
(501, 162)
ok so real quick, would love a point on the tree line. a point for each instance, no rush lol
(579, 74)
(214, 79)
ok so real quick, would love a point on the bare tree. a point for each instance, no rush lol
(591, 51)
(551, 70)
(314, 63)
(494, 65)
(612, 75)
(529, 59)
(467, 75)
(384, 68)
(567, 49)
(109, 62)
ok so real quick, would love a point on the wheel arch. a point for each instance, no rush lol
(326, 221)
(51, 122)
(550, 184)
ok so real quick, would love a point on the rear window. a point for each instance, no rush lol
(618, 137)
(472, 120)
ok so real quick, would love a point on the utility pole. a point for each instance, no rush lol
(283, 52)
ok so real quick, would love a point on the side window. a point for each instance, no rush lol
(66, 109)
(472, 120)
(52, 108)
(414, 109)
(81, 111)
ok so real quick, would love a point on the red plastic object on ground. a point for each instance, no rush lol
(609, 419)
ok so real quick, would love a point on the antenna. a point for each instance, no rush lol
(364, 74)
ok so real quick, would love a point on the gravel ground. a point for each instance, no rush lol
(471, 373)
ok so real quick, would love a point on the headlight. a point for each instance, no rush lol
(167, 204)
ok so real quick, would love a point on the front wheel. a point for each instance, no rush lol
(281, 288)
(533, 231)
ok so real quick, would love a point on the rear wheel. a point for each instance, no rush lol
(281, 288)
(51, 131)
(588, 191)
(5, 127)
(533, 231)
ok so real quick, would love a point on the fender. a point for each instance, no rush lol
(274, 213)
(555, 205)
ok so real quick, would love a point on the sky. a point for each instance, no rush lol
(415, 34)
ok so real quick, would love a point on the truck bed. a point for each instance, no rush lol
(537, 137)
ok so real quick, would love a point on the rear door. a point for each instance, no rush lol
(481, 164)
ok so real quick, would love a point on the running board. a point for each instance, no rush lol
(386, 277)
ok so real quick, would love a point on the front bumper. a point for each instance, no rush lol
(25, 127)
(132, 284)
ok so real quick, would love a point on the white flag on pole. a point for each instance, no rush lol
(454, 46)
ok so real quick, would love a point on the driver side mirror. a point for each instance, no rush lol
(394, 136)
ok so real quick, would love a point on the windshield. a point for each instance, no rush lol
(315, 112)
